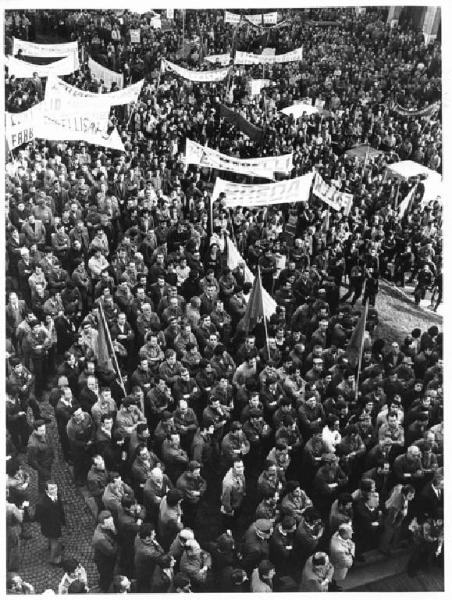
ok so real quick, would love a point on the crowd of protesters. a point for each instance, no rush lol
(216, 458)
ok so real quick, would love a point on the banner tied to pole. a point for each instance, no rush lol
(331, 196)
(263, 194)
(256, 167)
(247, 58)
(199, 76)
(427, 111)
(107, 76)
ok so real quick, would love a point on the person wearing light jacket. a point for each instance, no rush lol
(317, 573)
(233, 492)
(342, 553)
(196, 564)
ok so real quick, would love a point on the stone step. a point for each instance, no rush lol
(377, 566)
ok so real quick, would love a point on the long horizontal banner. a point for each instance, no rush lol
(217, 75)
(422, 112)
(108, 77)
(58, 93)
(44, 50)
(253, 132)
(266, 18)
(234, 259)
(256, 167)
(264, 194)
(223, 59)
(25, 70)
(331, 196)
(19, 127)
(232, 18)
(247, 58)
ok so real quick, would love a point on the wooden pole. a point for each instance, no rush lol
(263, 313)
(115, 360)
(360, 357)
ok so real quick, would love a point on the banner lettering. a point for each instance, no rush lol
(217, 75)
(58, 91)
(25, 70)
(45, 50)
(247, 58)
(19, 127)
(331, 196)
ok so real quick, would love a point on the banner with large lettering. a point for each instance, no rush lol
(253, 132)
(231, 18)
(76, 127)
(222, 59)
(233, 260)
(59, 93)
(19, 127)
(414, 112)
(108, 77)
(25, 70)
(264, 194)
(217, 75)
(196, 154)
(247, 58)
(44, 50)
(135, 36)
(331, 196)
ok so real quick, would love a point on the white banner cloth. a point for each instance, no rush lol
(59, 92)
(331, 196)
(231, 17)
(19, 127)
(223, 59)
(264, 194)
(108, 77)
(25, 70)
(297, 110)
(44, 50)
(247, 58)
(217, 75)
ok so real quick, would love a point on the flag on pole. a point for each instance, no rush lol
(104, 348)
(255, 310)
(355, 345)
(405, 204)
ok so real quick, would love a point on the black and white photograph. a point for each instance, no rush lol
(223, 297)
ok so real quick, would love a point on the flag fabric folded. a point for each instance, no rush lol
(253, 132)
(355, 345)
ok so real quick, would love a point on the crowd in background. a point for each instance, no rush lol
(221, 459)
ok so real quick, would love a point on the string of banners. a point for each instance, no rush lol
(331, 196)
(264, 194)
(195, 154)
(26, 70)
(222, 59)
(199, 76)
(247, 58)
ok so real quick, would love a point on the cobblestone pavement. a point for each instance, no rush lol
(77, 534)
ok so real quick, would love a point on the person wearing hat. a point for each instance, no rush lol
(282, 545)
(106, 548)
(196, 563)
(256, 544)
(193, 487)
(258, 433)
(342, 553)
(317, 573)
(328, 483)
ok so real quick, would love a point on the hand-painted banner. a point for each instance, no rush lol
(217, 75)
(264, 194)
(300, 108)
(331, 196)
(422, 112)
(19, 127)
(59, 92)
(234, 259)
(256, 85)
(222, 59)
(231, 18)
(247, 58)
(25, 70)
(78, 128)
(108, 77)
(253, 132)
(170, 13)
(255, 167)
(45, 50)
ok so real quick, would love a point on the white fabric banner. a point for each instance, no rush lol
(331, 196)
(247, 58)
(231, 17)
(25, 70)
(217, 75)
(170, 13)
(44, 50)
(256, 85)
(234, 259)
(254, 19)
(105, 74)
(256, 167)
(406, 202)
(223, 59)
(76, 127)
(270, 18)
(297, 110)
(264, 194)
(19, 127)
(156, 22)
(59, 92)
(135, 36)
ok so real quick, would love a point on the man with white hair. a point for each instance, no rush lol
(342, 553)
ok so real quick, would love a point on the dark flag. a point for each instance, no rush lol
(355, 345)
(253, 132)
(254, 313)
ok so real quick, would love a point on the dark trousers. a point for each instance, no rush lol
(106, 568)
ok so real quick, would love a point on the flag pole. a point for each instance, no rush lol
(397, 195)
(263, 313)
(115, 360)
(360, 357)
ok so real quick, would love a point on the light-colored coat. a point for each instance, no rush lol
(342, 553)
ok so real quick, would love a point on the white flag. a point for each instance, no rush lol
(265, 194)
(297, 110)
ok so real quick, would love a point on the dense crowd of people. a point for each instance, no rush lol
(218, 458)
